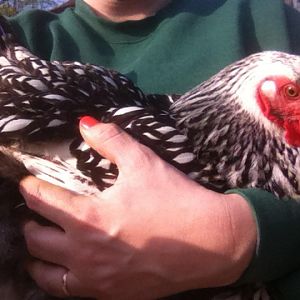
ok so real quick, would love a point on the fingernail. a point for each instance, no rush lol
(87, 122)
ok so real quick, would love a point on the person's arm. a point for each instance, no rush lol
(153, 233)
(278, 238)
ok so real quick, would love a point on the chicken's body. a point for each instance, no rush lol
(228, 132)
(210, 137)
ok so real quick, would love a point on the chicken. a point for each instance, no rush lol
(244, 125)
(238, 129)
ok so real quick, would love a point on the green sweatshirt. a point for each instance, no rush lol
(171, 52)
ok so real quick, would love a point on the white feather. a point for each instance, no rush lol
(184, 158)
(15, 125)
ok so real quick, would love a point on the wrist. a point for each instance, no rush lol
(243, 230)
(219, 241)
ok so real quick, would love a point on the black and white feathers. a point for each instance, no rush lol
(217, 133)
(41, 103)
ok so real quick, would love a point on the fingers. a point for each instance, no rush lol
(52, 202)
(51, 279)
(111, 142)
(47, 243)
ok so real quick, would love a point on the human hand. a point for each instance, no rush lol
(153, 233)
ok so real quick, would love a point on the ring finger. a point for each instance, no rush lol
(48, 277)
(54, 279)
(46, 243)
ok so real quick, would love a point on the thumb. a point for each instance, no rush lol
(110, 141)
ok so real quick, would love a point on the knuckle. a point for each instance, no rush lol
(110, 131)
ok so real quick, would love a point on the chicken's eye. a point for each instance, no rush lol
(291, 91)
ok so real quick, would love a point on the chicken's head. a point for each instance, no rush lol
(267, 86)
(279, 100)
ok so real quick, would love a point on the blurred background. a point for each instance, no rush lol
(11, 7)
(294, 3)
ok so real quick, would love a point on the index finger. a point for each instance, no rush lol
(52, 202)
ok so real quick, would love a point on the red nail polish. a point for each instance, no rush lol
(87, 122)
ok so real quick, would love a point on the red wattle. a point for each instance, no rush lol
(292, 133)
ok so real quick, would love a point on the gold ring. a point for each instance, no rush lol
(64, 284)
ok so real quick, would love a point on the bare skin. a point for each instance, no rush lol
(142, 238)
(126, 10)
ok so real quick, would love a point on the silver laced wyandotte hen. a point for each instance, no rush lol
(240, 128)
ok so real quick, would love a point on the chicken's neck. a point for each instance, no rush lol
(233, 149)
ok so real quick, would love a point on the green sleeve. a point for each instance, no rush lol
(287, 288)
(278, 244)
(293, 27)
